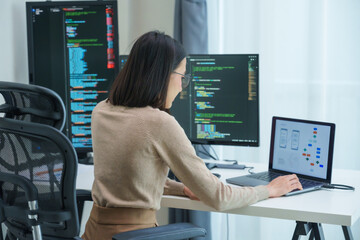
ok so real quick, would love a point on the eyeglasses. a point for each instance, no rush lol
(185, 79)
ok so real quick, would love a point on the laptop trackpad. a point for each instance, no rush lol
(246, 181)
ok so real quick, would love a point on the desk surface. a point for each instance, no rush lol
(324, 206)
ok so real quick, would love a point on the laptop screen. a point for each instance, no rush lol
(302, 147)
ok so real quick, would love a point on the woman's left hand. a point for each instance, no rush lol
(190, 194)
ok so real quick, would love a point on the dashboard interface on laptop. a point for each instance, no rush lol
(301, 148)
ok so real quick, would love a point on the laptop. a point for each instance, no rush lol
(297, 146)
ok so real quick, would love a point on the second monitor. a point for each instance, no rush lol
(221, 104)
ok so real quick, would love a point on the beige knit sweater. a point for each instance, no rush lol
(133, 151)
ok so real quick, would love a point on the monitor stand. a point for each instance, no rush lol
(203, 150)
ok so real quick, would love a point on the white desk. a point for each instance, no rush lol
(337, 207)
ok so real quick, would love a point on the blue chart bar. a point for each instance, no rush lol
(82, 106)
(81, 118)
(83, 95)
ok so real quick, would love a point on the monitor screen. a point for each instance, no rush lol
(73, 50)
(303, 147)
(221, 103)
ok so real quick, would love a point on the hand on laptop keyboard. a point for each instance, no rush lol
(283, 184)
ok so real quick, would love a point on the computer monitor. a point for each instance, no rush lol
(73, 50)
(221, 103)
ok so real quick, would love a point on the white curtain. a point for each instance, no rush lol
(309, 68)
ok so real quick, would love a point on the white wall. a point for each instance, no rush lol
(13, 49)
(140, 16)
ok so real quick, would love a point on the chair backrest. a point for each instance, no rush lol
(32, 103)
(45, 156)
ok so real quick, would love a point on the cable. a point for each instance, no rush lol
(233, 161)
(338, 186)
(249, 170)
(208, 153)
(217, 157)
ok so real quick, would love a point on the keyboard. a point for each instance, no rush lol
(269, 176)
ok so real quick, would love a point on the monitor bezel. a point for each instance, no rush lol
(233, 143)
(31, 55)
(330, 152)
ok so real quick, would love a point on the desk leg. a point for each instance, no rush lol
(303, 228)
(347, 233)
(317, 232)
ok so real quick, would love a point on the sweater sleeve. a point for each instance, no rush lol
(173, 188)
(175, 149)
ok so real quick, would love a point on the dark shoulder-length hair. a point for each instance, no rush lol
(144, 79)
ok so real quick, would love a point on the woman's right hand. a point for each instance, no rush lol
(283, 184)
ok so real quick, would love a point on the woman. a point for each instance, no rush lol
(136, 141)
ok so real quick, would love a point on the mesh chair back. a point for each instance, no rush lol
(46, 157)
(32, 103)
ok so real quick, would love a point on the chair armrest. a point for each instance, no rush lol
(29, 188)
(81, 197)
(168, 232)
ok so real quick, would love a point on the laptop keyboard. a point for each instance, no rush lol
(269, 176)
(265, 176)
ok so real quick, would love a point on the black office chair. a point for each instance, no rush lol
(38, 167)
(31, 103)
